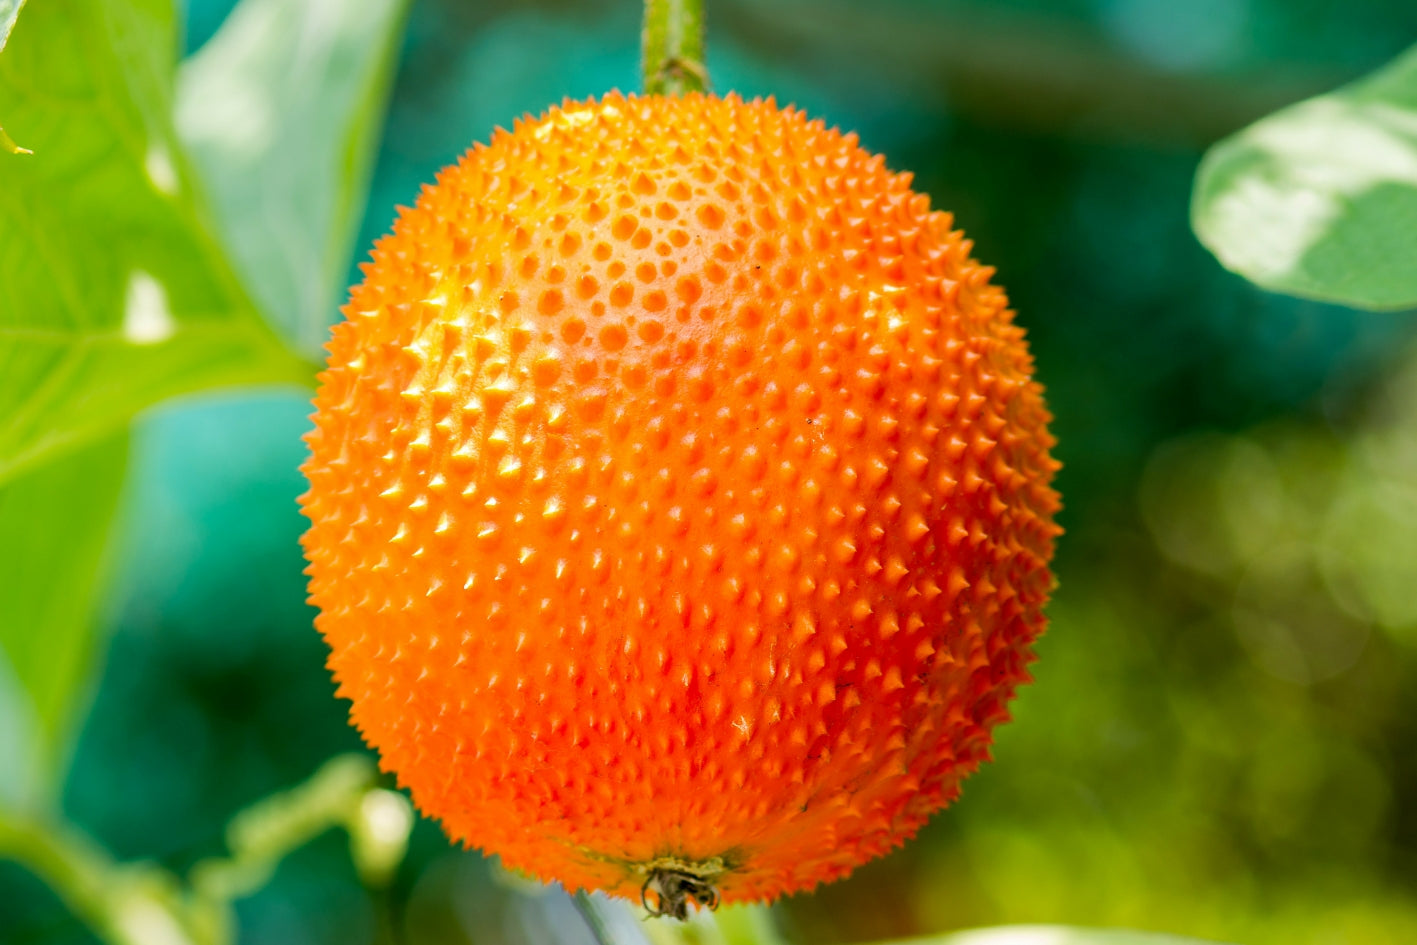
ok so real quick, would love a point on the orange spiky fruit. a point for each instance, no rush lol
(680, 501)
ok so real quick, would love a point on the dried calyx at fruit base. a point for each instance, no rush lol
(670, 887)
(680, 501)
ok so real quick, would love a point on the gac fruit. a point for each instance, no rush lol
(680, 501)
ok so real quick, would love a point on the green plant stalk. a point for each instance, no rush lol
(140, 903)
(123, 903)
(70, 865)
(264, 834)
(674, 47)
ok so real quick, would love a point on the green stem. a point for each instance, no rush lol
(140, 903)
(69, 865)
(261, 836)
(123, 903)
(674, 47)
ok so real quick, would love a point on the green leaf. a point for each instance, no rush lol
(1051, 935)
(1320, 199)
(281, 111)
(113, 295)
(57, 520)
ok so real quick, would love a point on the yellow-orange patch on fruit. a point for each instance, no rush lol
(679, 496)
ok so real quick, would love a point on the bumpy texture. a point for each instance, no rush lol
(679, 498)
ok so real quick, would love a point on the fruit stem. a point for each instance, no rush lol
(674, 47)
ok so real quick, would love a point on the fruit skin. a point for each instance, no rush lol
(680, 498)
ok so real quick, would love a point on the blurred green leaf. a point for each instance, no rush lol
(1051, 935)
(748, 925)
(113, 296)
(1320, 199)
(281, 112)
(57, 518)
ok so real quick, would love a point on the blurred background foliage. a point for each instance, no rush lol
(1222, 737)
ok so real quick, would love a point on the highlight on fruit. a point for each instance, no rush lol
(680, 506)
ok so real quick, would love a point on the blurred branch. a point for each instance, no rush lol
(126, 904)
(343, 793)
(1013, 67)
(142, 904)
